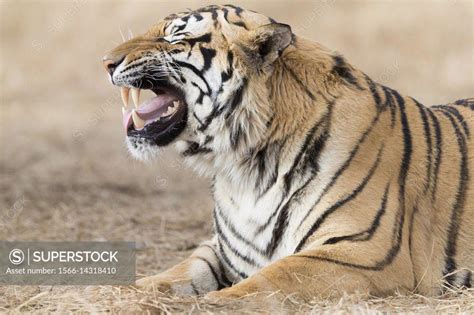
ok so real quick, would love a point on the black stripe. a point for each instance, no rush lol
(410, 239)
(390, 103)
(439, 151)
(236, 132)
(180, 27)
(468, 103)
(226, 14)
(375, 93)
(278, 230)
(311, 135)
(289, 175)
(342, 69)
(267, 168)
(195, 71)
(238, 10)
(404, 168)
(193, 287)
(235, 100)
(201, 95)
(197, 16)
(235, 233)
(264, 226)
(216, 111)
(186, 18)
(227, 261)
(228, 244)
(458, 207)
(300, 83)
(240, 24)
(317, 147)
(312, 157)
(213, 271)
(429, 149)
(235, 135)
(273, 174)
(320, 220)
(407, 141)
(208, 9)
(224, 278)
(206, 38)
(208, 54)
(346, 164)
(226, 75)
(194, 148)
(369, 233)
(197, 118)
(467, 283)
(457, 115)
(378, 265)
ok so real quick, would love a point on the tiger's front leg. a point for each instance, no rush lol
(199, 274)
(321, 274)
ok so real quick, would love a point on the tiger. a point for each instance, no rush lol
(324, 181)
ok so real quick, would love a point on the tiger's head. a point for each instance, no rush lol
(209, 69)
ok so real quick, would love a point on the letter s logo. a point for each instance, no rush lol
(16, 256)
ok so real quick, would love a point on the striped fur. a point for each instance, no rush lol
(324, 181)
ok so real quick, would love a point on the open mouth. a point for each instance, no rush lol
(160, 119)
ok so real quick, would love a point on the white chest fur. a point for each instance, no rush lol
(245, 226)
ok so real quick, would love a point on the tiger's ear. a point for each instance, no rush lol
(265, 44)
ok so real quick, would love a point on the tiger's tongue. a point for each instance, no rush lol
(150, 110)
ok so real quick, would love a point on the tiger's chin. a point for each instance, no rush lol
(141, 150)
(147, 146)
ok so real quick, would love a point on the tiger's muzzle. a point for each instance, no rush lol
(158, 120)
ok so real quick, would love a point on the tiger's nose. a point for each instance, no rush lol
(110, 64)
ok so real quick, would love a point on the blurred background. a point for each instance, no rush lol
(65, 172)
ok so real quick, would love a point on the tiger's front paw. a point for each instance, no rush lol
(167, 285)
(225, 295)
(254, 287)
(155, 284)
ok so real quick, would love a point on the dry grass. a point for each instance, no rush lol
(65, 174)
(119, 299)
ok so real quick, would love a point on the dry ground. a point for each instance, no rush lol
(65, 173)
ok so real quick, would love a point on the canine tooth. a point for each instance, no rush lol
(136, 97)
(170, 111)
(137, 121)
(124, 91)
(123, 110)
(175, 103)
